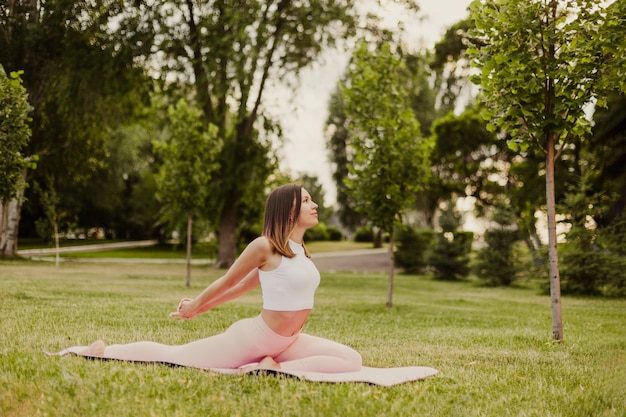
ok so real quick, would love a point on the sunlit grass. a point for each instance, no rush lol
(200, 250)
(492, 347)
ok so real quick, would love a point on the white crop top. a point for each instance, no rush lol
(290, 286)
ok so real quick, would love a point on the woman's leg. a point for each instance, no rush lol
(242, 343)
(315, 354)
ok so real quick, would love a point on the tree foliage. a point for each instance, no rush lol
(83, 75)
(542, 64)
(496, 262)
(338, 145)
(389, 163)
(14, 134)
(467, 159)
(414, 79)
(390, 158)
(228, 53)
(189, 155)
(607, 145)
(451, 65)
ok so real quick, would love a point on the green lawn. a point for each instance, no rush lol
(173, 251)
(492, 347)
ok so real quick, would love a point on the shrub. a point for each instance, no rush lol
(364, 234)
(317, 233)
(334, 234)
(595, 272)
(450, 255)
(496, 262)
(412, 248)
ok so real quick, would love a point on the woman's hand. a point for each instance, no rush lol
(184, 310)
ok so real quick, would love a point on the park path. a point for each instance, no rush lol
(362, 260)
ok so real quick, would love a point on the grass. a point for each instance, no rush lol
(178, 251)
(35, 243)
(200, 250)
(492, 347)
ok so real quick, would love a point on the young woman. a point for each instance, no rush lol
(280, 263)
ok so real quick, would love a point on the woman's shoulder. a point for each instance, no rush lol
(261, 244)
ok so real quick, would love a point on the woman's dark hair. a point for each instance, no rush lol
(282, 209)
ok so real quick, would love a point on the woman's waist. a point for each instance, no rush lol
(285, 323)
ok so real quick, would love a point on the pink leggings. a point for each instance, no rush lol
(246, 341)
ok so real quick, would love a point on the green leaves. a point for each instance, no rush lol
(14, 134)
(189, 154)
(541, 63)
(390, 162)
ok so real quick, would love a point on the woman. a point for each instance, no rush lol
(279, 262)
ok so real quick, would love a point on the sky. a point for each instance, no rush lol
(303, 112)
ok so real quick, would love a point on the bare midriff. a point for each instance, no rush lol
(285, 323)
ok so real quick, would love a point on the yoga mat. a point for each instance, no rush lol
(386, 377)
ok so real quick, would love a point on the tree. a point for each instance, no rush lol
(14, 137)
(607, 145)
(338, 145)
(449, 256)
(229, 53)
(590, 267)
(189, 155)
(496, 262)
(466, 161)
(390, 159)
(421, 99)
(312, 184)
(83, 75)
(451, 66)
(542, 63)
(50, 201)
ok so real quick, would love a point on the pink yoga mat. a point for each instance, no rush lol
(378, 376)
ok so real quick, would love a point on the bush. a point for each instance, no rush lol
(450, 255)
(44, 229)
(317, 233)
(496, 262)
(334, 234)
(412, 248)
(364, 234)
(596, 272)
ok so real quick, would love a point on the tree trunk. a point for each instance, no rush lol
(9, 225)
(227, 250)
(56, 243)
(391, 271)
(189, 228)
(378, 239)
(553, 257)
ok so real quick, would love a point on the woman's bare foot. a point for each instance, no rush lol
(267, 363)
(96, 349)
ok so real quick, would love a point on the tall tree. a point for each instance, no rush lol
(338, 145)
(421, 99)
(608, 147)
(82, 73)
(542, 63)
(451, 66)
(189, 155)
(14, 137)
(312, 184)
(466, 160)
(231, 52)
(390, 158)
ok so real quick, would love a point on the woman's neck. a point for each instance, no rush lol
(297, 235)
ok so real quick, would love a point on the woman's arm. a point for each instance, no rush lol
(250, 282)
(227, 286)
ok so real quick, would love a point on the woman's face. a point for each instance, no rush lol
(308, 211)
